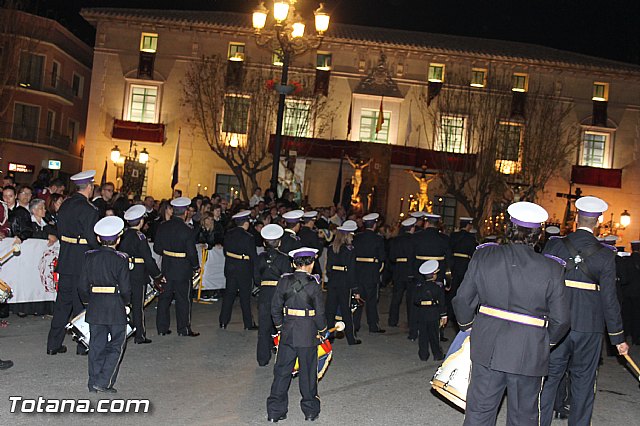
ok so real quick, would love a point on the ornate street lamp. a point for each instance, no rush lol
(625, 219)
(286, 39)
(115, 154)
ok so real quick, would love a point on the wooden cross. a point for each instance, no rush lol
(568, 213)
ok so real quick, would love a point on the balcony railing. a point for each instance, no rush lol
(34, 135)
(62, 88)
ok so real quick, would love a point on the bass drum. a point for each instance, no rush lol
(79, 328)
(452, 377)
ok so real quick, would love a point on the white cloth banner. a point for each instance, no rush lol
(213, 272)
(30, 274)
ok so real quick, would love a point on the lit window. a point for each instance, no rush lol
(277, 58)
(368, 123)
(436, 73)
(235, 114)
(149, 42)
(297, 117)
(478, 77)
(236, 51)
(451, 134)
(227, 186)
(600, 92)
(30, 72)
(508, 149)
(446, 206)
(323, 61)
(143, 104)
(520, 82)
(594, 149)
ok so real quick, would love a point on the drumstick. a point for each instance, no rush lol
(15, 249)
(339, 327)
(633, 365)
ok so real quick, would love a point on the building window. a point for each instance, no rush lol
(508, 148)
(446, 207)
(235, 114)
(297, 117)
(77, 84)
(51, 123)
(55, 74)
(149, 42)
(436, 73)
(26, 120)
(478, 77)
(227, 186)
(277, 58)
(451, 138)
(368, 123)
(143, 104)
(595, 149)
(520, 82)
(236, 51)
(323, 61)
(600, 92)
(31, 69)
(72, 131)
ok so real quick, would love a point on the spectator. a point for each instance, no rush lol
(19, 217)
(120, 204)
(206, 234)
(219, 226)
(339, 217)
(269, 197)
(56, 186)
(256, 197)
(44, 176)
(40, 228)
(177, 193)
(25, 193)
(8, 180)
(53, 203)
(103, 200)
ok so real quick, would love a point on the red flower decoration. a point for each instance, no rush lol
(271, 84)
(297, 87)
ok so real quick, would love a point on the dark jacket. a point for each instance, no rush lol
(239, 242)
(338, 278)
(20, 222)
(270, 266)
(41, 232)
(134, 243)
(290, 241)
(76, 219)
(174, 236)
(402, 257)
(430, 243)
(429, 292)
(463, 245)
(630, 276)
(368, 245)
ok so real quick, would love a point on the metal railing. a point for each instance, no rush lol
(40, 136)
(62, 88)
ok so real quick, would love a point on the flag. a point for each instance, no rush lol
(408, 131)
(176, 163)
(103, 181)
(349, 120)
(380, 121)
(338, 190)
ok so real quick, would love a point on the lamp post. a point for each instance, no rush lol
(286, 39)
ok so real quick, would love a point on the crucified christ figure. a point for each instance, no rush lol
(357, 175)
(423, 182)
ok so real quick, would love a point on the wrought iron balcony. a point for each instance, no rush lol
(39, 136)
(62, 88)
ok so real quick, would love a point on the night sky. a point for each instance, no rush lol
(609, 29)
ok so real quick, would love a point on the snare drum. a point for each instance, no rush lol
(5, 292)
(80, 329)
(452, 377)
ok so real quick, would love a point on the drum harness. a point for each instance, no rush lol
(577, 261)
(298, 287)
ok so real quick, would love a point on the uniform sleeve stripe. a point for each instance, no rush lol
(616, 334)
(465, 325)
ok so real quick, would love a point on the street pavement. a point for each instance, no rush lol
(214, 379)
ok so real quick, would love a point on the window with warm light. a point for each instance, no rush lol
(235, 114)
(595, 149)
(451, 134)
(323, 61)
(478, 77)
(236, 51)
(149, 42)
(276, 58)
(368, 122)
(436, 73)
(520, 82)
(297, 118)
(143, 104)
(508, 158)
(600, 92)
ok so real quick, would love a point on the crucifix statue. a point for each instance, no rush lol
(423, 181)
(358, 166)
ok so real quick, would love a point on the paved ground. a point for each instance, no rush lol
(214, 379)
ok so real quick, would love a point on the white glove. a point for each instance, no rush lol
(127, 310)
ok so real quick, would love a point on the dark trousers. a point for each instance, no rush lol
(340, 298)
(105, 355)
(561, 403)
(631, 318)
(278, 401)
(485, 393)
(428, 335)
(265, 327)
(180, 290)
(240, 284)
(399, 288)
(67, 305)
(370, 296)
(138, 290)
(578, 353)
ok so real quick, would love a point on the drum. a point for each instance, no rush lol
(452, 377)
(5, 292)
(80, 329)
(325, 353)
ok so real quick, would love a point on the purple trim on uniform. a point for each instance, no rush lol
(83, 181)
(555, 237)
(109, 237)
(635, 246)
(346, 232)
(525, 224)
(610, 247)
(304, 254)
(556, 258)
(292, 220)
(490, 244)
(589, 214)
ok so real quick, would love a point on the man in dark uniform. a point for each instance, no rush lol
(270, 265)
(309, 237)
(370, 259)
(103, 201)
(174, 241)
(401, 258)
(590, 279)
(522, 311)
(430, 311)
(134, 243)
(463, 244)
(104, 283)
(298, 313)
(76, 219)
(630, 283)
(240, 256)
(291, 241)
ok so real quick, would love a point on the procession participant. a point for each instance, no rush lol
(341, 270)
(590, 278)
(522, 311)
(309, 237)
(104, 200)
(291, 240)
(420, 219)
(370, 258)
(105, 284)
(76, 219)
(269, 267)
(240, 256)
(134, 243)
(298, 313)
(631, 292)
(463, 244)
(174, 241)
(401, 258)
(430, 310)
